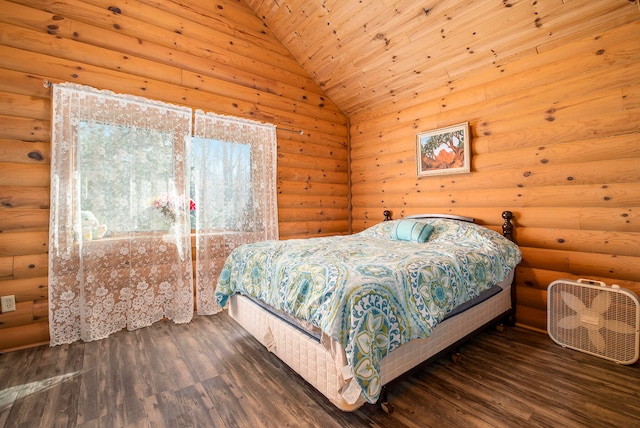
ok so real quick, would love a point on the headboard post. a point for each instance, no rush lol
(507, 231)
(507, 227)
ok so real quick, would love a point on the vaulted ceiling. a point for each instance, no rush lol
(372, 53)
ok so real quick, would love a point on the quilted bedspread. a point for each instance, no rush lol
(370, 291)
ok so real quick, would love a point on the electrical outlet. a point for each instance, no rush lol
(8, 303)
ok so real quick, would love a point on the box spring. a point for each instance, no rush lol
(321, 366)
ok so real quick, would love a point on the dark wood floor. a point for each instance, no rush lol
(210, 373)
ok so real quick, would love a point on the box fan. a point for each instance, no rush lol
(591, 317)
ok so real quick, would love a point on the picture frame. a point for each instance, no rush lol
(443, 151)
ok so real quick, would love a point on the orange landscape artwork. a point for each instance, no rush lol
(443, 151)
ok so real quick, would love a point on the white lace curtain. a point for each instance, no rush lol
(235, 193)
(120, 249)
(121, 181)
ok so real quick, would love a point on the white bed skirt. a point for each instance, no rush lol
(322, 365)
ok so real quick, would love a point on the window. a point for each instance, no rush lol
(127, 176)
(228, 187)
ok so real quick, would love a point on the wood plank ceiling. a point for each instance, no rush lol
(371, 54)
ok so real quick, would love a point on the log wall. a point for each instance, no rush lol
(555, 134)
(215, 56)
(555, 138)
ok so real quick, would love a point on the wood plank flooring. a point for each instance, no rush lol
(211, 373)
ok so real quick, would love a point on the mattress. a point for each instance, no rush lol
(323, 363)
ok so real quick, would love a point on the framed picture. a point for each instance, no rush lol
(443, 151)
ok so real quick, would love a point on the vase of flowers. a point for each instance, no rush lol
(168, 209)
(166, 205)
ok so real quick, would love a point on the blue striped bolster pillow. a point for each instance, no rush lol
(409, 230)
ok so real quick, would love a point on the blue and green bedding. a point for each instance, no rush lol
(374, 290)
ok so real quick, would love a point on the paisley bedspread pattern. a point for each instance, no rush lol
(367, 291)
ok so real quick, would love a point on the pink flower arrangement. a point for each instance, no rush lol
(169, 207)
(166, 206)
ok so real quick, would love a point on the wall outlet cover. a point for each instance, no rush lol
(8, 303)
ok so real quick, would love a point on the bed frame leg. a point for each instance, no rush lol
(384, 401)
(387, 407)
(456, 357)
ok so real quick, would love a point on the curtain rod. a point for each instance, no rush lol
(297, 131)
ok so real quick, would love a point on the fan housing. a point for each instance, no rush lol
(591, 317)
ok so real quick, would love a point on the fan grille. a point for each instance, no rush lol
(581, 317)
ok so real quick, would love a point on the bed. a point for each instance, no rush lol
(351, 314)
